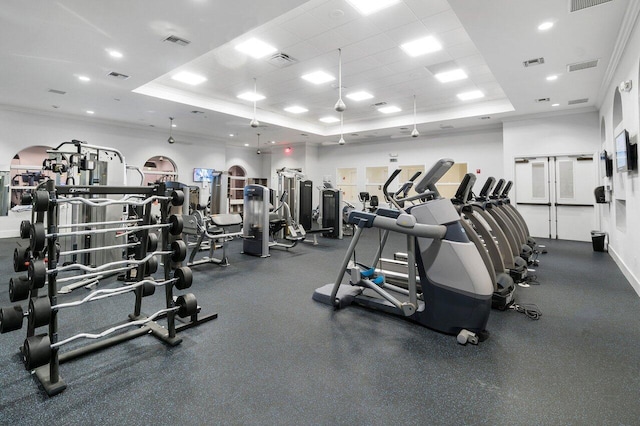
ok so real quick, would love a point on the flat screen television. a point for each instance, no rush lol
(622, 143)
(202, 175)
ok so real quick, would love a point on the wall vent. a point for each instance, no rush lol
(539, 100)
(582, 65)
(118, 75)
(578, 101)
(177, 40)
(532, 62)
(575, 5)
(281, 60)
(57, 92)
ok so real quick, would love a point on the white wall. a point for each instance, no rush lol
(620, 218)
(21, 129)
(480, 149)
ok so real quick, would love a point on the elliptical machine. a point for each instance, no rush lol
(456, 288)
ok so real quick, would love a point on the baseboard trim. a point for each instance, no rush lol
(633, 280)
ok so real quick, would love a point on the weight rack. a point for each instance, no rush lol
(139, 202)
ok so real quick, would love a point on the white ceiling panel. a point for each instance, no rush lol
(489, 39)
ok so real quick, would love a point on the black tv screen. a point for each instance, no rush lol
(622, 142)
(202, 175)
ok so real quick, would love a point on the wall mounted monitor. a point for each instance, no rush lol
(202, 175)
(622, 142)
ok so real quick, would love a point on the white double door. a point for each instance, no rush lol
(555, 195)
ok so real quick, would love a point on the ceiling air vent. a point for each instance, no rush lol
(532, 62)
(578, 101)
(118, 75)
(281, 60)
(582, 65)
(575, 5)
(195, 111)
(379, 104)
(57, 92)
(539, 100)
(446, 126)
(177, 40)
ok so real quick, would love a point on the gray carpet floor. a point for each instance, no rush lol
(275, 357)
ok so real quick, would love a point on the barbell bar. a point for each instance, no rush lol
(41, 200)
(36, 350)
(38, 235)
(39, 311)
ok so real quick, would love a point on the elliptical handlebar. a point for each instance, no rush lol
(385, 189)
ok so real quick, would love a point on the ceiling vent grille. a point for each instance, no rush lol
(575, 5)
(582, 65)
(532, 62)
(118, 75)
(539, 100)
(578, 101)
(281, 60)
(446, 126)
(57, 92)
(177, 40)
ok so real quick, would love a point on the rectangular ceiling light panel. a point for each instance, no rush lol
(453, 75)
(255, 48)
(318, 77)
(189, 78)
(251, 96)
(295, 109)
(389, 109)
(421, 46)
(359, 96)
(468, 96)
(367, 7)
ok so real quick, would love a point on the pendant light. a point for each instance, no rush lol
(258, 151)
(254, 123)
(415, 133)
(340, 106)
(171, 139)
(341, 140)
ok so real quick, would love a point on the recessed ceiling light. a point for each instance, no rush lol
(367, 7)
(555, 105)
(453, 75)
(421, 46)
(273, 141)
(296, 109)
(552, 78)
(251, 96)
(318, 77)
(231, 135)
(467, 96)
(255, 48)
(359, 96)
(545, 26)
(114, 54)
(389, 109)
(329, 119)
(246, 144)
(83, 78)
(173, 125)
(90, 112)
(189, 78)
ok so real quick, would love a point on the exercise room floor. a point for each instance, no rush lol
(275, 357)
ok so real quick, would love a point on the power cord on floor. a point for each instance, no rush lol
(530, 310)
(532, 280)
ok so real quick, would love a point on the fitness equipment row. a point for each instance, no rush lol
(41, 352)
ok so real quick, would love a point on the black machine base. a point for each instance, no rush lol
(42, 374)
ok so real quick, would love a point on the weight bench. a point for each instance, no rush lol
(212, 234)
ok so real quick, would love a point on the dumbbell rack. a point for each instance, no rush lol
(46, 205)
